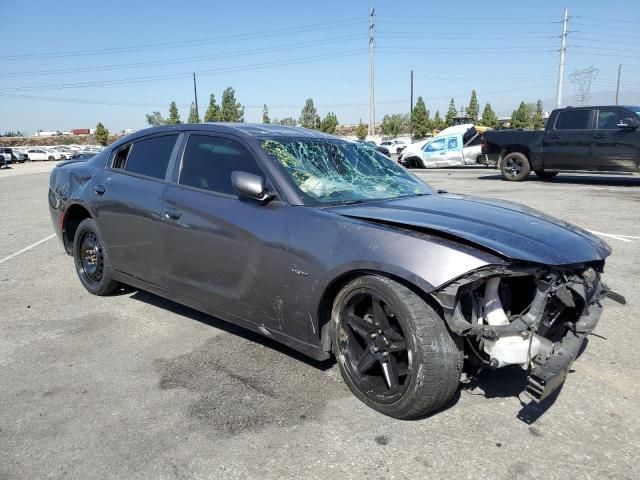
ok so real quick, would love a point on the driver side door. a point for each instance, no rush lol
(433, 152)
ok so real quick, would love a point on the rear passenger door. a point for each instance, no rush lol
(222, 247)
(567, 143)
(615, 148)
(128, 205)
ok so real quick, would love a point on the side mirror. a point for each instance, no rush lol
(629, 122)
(250, 185)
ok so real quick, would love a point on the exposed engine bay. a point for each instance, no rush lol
(537, 318)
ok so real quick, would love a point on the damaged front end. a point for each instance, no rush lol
(534, 317)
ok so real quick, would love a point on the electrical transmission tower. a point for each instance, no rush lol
(582, 79)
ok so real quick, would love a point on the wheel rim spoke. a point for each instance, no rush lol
(359, 325)
(367, 361)
(390, 372)
(378, 312)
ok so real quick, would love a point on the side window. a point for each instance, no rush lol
(209, 161)
(150, 156)
(452, 143)
(435, 146)
(573, 120)
(608, 118)
(121, 157)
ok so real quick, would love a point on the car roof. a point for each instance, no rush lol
(250, 129)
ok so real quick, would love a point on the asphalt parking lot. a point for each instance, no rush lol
(134, 386)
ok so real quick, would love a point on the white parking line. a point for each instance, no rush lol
(27, 248)
(615, 236)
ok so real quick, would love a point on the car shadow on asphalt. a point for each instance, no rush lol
(589, 180)
(178, 309)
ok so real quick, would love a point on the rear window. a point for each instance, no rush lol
(573, 120)
(150, 157)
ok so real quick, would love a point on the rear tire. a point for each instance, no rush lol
(91, 260)
(545, 175)
(394, 351)
(515, 167)
(51, 158)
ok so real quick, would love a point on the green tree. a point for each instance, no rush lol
(102, 134)
(289, 122)
(489, 118)
(155, 119)
(452, 113)
(394, 125)
(329, 123)
(174, 116)
(308, 115)
(265, 114)
(232, 110)
(537, 123)
(193, 114)
(474, 108)
(361, 131)
(438, 123)
(520, 117)
(420, 127)
(213, 111)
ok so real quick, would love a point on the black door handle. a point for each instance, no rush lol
(600, 136)
(172, 213)
(99, 189)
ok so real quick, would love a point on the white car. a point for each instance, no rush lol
(453, 147)
(394, 146)
(39, 154)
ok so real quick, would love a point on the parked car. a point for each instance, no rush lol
(5, 157)
(457, 147)
(395, 146)
(382, 149)
(66, 152)
(15, 156)
(330, 247)
(39, 153)
(597, 139)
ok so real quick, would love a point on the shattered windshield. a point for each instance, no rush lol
(334, 171)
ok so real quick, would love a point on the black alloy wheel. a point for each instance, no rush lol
(375, 347)
(394, 351)
(515, 167)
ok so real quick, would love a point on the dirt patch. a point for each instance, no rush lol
(246, 386)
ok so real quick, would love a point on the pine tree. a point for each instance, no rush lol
(265, 114)
(438, 123)
(361, 131)
(394, 125)
(329, 123)
(520, 117)
(231, 110)
(308, 114)
(420, 119)
(489, 118)
(193, 114)
(174, 116)
(213, 111)
(102, 134)
(474, 108)
(452, 113)
(538, 117)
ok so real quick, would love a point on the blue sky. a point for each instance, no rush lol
(81, 62)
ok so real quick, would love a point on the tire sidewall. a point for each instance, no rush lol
(106, 285)
(526, 167)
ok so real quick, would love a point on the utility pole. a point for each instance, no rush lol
(618, 85)
(195, 94)
(372, 106)
(563, 49)
(582, 79)
(411, 107)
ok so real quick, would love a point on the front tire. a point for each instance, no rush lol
(394, 351)
(515, 167)
(91, 260)
(51, 158)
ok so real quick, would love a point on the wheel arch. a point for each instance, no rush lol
(74, 214)
(325, 305)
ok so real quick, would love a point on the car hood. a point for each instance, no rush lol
(508, 229)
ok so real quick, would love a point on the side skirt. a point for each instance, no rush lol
(314, 351)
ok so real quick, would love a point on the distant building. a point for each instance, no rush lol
(43, 133)
(127, 131)
(81, 131)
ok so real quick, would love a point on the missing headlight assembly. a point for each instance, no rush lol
(534, 317)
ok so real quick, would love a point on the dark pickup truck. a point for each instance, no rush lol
(576, 139)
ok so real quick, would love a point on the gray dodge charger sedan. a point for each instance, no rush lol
(329, 247)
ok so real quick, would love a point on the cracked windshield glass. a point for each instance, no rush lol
(342, 172)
